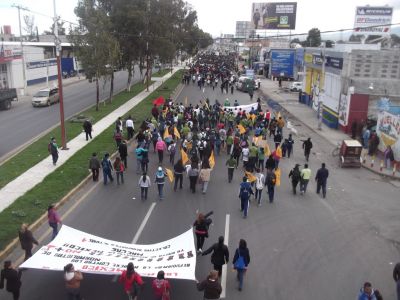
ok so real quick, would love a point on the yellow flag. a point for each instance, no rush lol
(184, 156)
(250, 176)
(211, 160)
(278, 177)
(170, 174)
(279, 152)
(176, 132)
(255, 140)
(253, 117)
(241, 129)
(267, 152)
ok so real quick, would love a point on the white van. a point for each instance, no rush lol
(296, 86)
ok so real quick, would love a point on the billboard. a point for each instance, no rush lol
(277, 15)
(282, 62)
(378, 16)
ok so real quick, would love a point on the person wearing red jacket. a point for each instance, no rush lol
(131, 281)
(161, 287)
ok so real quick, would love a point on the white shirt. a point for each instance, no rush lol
(146, 183)
(245, 153)
(129, 123)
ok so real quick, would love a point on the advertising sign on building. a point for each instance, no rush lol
(276, 15)
(373, 19)
(388, 129)
(92, 254)
(9, 53)
(282, 63)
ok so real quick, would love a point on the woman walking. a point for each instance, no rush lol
(161, 287)
(54, 220)
(193, 173)
(13, 278)
(119, 169)
(27, 240)
(160, 181)
(72, 282)
(241, 261)
(178, 174)
(160, 147)
(219, 256)
(204, 175)
(201, 231)
(144, 184)
(211, 286)
(260, 183)
(131, 281)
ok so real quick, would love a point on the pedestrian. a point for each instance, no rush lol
(87, 128)
(118, 137)
(321, 178)
(161, 287)
(261, 158)
(53, 219)
(107, 168)
(123, 153)
(160, 181)
(130, 127)
(305, 175)
(160, 147)
(307, 145)
(119, 169)
(53, 150)
(171, 152)
(389, 157)
(270, 163)
(118, 125)
(178, 174)
(219, 256)
(365, 137)
(368, 293)
(373, 144)
(270, 182)
(145, 159)
(94, 166)
(193, 173)
(245, 191)
(232, 165)
(277, 139)
(396, 277)
(295, 175)
(27, 240)
(201, 230)
(13, 278)
(290, 145)
(204, 175)
(144, 184)
(140, 152)
(241, 261)
(211, 286)
(280, 125)
(132, 281)
(260, 182)
(72, 282)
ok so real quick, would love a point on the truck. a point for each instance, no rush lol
(282, 63)
(6, 96)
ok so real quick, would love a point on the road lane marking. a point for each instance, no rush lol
(140, 230)
(225, 267)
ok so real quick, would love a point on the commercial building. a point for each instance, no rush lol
(243, 29)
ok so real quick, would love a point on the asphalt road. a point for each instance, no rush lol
(24, 122)
(302, 247)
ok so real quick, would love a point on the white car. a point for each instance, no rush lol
(46, 97)
(296, 86)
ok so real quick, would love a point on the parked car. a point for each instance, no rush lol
(6, 96)
(296, 86)
(46, 97)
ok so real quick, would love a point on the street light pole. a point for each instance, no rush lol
(60, 87)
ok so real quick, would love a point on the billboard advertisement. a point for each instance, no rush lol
(277, 15)
(282, 63)
(377, 16)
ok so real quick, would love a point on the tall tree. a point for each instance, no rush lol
(30, 28)
(313, 38)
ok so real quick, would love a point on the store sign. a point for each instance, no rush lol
(379, 17)
(9, 53)
(92, 254)
(333, 62)
(41, 64)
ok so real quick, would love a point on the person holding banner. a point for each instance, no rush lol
(211, 286)
(132, 281)
(161, 287)
(201, 231)
(72, 282)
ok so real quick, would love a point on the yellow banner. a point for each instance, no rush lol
(184, 156)
(176, 133)
(170, 175)
(241, 129)
(278, 177)
(250, 176)
(211, 160)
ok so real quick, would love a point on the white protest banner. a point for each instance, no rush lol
(247, 108)
(91, 254)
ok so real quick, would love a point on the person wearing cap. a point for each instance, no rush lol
(245, 191)
(160, 181)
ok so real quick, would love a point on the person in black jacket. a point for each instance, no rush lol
(211, 287)
(123, 153)
(307, 145)
(220, 255)
(179, 169)
(87, 127)
(13, 278)
(241, 260)
(321, 178)
(270, 163)
(201, 229)
(27, 240)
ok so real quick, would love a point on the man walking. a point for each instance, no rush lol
(87, 127)
(231, 163)
(321, 178)
(294, 174)
(53, 150)
(244, 194)
(270, 183)
(123, 153)
(130, 127)
(307, 145)
(94, 166)
(305, 175)
(107, 168)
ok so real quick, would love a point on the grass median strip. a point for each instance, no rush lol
(161, 73)
(27, 208)
(37, 151)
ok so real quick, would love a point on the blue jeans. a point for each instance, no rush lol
(54, 226)
(240, 276)
(244, 206)
(271, 192)
(258, 195)
(120, 175)
(160, 190)
(106, 175)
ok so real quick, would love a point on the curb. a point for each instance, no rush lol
(322, 136)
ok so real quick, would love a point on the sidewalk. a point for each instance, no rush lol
(35, 175)
(289, 101)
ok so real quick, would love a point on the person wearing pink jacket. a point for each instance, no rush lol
(160, 147)
(54, 220)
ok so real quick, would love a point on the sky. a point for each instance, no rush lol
(214, 16)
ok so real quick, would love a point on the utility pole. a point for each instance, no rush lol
(57, 43)
(19, 7)
(147, 48)
(321, 89)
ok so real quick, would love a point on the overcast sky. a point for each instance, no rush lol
(214, 16)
